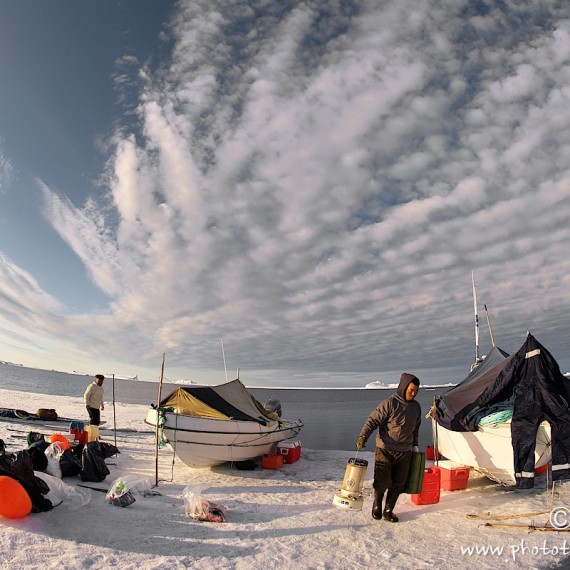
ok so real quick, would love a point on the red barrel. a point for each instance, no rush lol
(430, 488)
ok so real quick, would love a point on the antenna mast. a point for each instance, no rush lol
(224, 357)
(489, 325)
(477, 356)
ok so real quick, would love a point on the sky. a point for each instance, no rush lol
(300, 190)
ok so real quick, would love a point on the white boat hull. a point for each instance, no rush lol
(489, 450)
(202, 442)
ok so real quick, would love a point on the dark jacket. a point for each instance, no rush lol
(397, 420)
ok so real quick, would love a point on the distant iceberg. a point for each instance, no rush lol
(383, 386)
(380, 385)
(121, 376)
(10, 363)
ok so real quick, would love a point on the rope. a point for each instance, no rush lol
(161, 420)
(162, 439)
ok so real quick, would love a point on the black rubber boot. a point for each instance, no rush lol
(391, 499)
(377, 505)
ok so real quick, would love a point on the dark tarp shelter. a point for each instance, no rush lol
(230, 401)
(529, 382)
(457, 409)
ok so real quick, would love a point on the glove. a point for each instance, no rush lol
(360, 442)
(415, 449)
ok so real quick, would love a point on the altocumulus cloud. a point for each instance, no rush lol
(314, 181)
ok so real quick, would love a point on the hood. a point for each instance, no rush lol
(405, 380)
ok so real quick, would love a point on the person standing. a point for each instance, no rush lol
(397, 419)
(94, 400)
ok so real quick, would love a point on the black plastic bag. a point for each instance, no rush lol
(34, 437)
(107, 450)
(38, 457)
(70, 464)
(19, 466)
(93, 467)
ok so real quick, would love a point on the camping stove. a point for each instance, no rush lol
(350, 496)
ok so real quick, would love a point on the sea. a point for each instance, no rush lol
(332, 417)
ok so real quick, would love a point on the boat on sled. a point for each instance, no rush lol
(472, 422)
(481, 436)
(211, 425)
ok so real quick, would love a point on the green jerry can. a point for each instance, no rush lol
(416, 474)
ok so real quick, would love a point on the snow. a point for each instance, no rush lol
(275, 519)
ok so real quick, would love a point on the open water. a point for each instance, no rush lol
(332, 417)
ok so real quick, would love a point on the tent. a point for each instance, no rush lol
(528, 383)
(230, 401)
(457, 409)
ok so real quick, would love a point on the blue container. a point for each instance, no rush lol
(76, 426)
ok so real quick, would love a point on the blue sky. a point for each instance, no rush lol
(312, 181)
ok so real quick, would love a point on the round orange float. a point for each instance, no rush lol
(15, 502)
(57, 437)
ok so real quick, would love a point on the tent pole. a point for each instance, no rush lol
(434, 433)
(114, 413)
(156, 422)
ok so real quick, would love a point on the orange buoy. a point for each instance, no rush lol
(57, 437)
(15, 502)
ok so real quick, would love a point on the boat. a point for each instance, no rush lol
(471, 422)
(478, 436)
(489, 450)
(211, 425)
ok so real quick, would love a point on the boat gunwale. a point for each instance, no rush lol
(294, 425)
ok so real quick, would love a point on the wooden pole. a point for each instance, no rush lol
(156, 422)
(114, 412)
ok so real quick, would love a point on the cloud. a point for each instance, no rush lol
(6, 171)
(21, 298)
(316, 185)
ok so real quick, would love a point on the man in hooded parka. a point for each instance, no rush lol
(533, 375)
(397, 419)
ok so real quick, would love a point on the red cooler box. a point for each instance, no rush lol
(430, 488)
(453, 475)
(290, 450)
